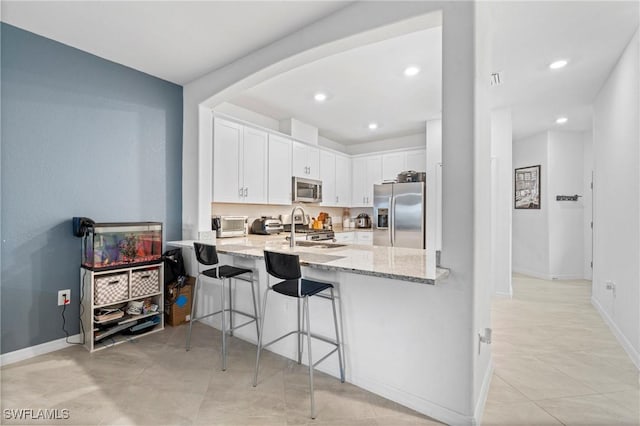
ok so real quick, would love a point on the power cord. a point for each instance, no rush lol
(64, 320)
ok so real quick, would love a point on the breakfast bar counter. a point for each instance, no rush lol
(396, 323)
(397, 263)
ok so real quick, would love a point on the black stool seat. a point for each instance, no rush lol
(286, 266)
(226, 271)
(307, 287)
(208, 255)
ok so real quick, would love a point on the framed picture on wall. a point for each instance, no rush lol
(527, 188)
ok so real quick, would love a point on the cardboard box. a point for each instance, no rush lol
(179, 312)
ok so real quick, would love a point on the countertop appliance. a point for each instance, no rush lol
(363, 221)
(266, 226)
(229, 226)
(399, 214)
(306, 190)
(411, 176)
(301, 223)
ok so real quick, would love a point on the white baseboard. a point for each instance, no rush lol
(531, 273)
(624, 342)
(428, 408)
(484, 393)
(504, 295)
(568, 277)
(33, 351)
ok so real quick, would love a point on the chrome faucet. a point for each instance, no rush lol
(292, 239)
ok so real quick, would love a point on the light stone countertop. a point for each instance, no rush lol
(403, 264)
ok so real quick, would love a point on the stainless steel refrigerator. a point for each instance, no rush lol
(399, 214)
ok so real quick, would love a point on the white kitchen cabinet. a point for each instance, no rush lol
(239, 163)
(396, 162)
(335, 174)
(279, 186)
(367, 171)
(345, 237)
(343, 181)
(392, 164)
(364, 238)
(306, 161)
(416, 160)
(328, 178)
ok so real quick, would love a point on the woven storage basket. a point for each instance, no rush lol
(144, 282)
(111, 289)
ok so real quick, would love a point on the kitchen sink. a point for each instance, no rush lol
(318, 244)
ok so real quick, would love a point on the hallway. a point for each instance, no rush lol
(556, 361)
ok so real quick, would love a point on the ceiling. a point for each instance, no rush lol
(528, 36)
(365, 84)
(177, 41)
(181, 41)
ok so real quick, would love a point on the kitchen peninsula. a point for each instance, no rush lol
(393, 318)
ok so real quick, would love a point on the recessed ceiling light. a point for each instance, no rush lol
(373, 126)
(320, 97)
(562, 120)
(558, 64)
(411, 71)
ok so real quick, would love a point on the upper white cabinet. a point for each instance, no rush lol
(367, 171)
(328, 178)
(343, 181)
(239, 163)
(417, 160)
(396, 162)
(335, 174)
(392, 164)
(306, 161)
(279, 170)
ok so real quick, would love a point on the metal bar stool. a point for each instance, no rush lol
(207, 255)
(287, 267)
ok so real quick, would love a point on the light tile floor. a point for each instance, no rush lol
(556, 362)
(153, 381)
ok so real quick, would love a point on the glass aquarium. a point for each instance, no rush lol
(118, 245)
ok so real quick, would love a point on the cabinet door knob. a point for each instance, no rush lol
(240, 192)
(246, 192)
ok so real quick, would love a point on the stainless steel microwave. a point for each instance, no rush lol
(306, 190)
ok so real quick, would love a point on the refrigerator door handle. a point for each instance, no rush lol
(392, 221)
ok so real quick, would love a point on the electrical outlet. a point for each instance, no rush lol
(64, 297)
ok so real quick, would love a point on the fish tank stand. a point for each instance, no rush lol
(121, 304)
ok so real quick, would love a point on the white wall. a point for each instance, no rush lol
(616, 196)
(248, 115)
(482, 290)
(549, 243)
(434, 183)
(502, 155)
(530, 227)
(410, 141)
(347, 28)
(565, 176)
(588, 205)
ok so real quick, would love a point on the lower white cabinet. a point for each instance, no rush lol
(104, 293)
(364, 238)
(345, 237)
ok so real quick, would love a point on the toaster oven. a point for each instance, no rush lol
(229, 226)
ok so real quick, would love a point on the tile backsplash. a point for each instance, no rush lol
(254, 211)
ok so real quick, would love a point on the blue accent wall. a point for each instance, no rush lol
(81, 136)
